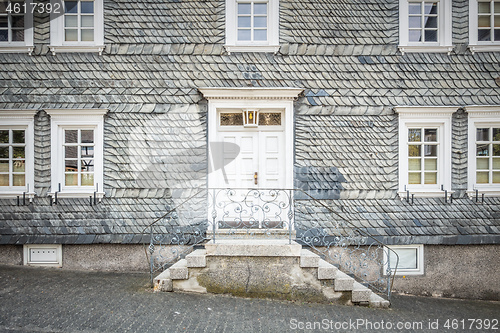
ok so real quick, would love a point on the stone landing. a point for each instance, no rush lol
(264, 268)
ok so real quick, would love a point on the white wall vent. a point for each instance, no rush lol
(43, 255)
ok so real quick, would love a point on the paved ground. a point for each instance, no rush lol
(54, 300)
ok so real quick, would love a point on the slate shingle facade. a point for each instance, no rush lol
(159, 53)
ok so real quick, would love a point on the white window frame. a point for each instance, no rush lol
(487, 116)
(420, 259)
(232, 43)
(444, 43)
(474, 44)
(21, 119)
(27, 260)
(426, 116)
(27, 44)
(57, 43)
(76, 118)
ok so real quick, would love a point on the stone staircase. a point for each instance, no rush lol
(265, 269)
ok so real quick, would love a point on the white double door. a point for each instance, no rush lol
(253, 168)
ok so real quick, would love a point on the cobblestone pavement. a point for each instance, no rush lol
(54, 300)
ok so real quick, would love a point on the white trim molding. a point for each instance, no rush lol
(76, 119)
(251, 93)
(417, 249)
(57, 42)
(474, 44)
(487, 116)
(271, 44)
(444, 28)
(426, 117)
(25, 46)
(21, 119)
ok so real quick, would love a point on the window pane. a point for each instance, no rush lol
(483, 21)
(260, 9)
(482, 134)
(414, 164)
(18, 136)
(70, 21)
(18, 21)
(71, 35)
(431, 22)
(4, 36)
(415, 22)
(71, 165)
(430, 178)
(71, 136)
(87, 136)
(18, 35)
(414, 135)
(269, 119)
(482, 163)
(430, 164)
(483, 35)
(4, 180)
(4, 166)
(496, 163)
(496, 134)
(497, 7)
(87, 152)
(70, 7)
(482, 177)
(3, 7)
(497, 35)
(244, 22)
(18, 180)
(483, 7)
(4, 152)
(88, 21)
(18, 152)
(87, 7)
(244, 8)
(87, 179)
(431, 35)
(4, 136)
(430, 135)
(415, 36)
(18, 166)
(430, 8)
(87, 35)
(482, 150)
(414, 151)
(71, 152)
(71, 179)
(430, 150)
(496, 150)
(407, 258)
(260, 34)
(87, 165)
(260, 22)
(414, 178)
(243, 34)
(4, 23)
(496, 178)
(231, 119)
(497, 21)
(414, 8)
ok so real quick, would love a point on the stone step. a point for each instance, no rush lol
(253, 248)
(179, 270)
(360, 293)
(197, 258)
(163, 282)
(343, 282)
(308, 259)
(326, 271)
(378, 302)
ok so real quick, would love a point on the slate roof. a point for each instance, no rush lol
(158, 53)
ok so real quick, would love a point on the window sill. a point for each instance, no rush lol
(425, 194)
(17, 49)
(15, 194)
(76, 48)
(484, 48)
(426, 49)
(252, 48)
(487, 193)
(75, 195)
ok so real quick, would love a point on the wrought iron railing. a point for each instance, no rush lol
(212, 214)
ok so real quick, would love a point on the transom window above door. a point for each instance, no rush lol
(250, 118)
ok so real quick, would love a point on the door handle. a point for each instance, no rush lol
(255, 178)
